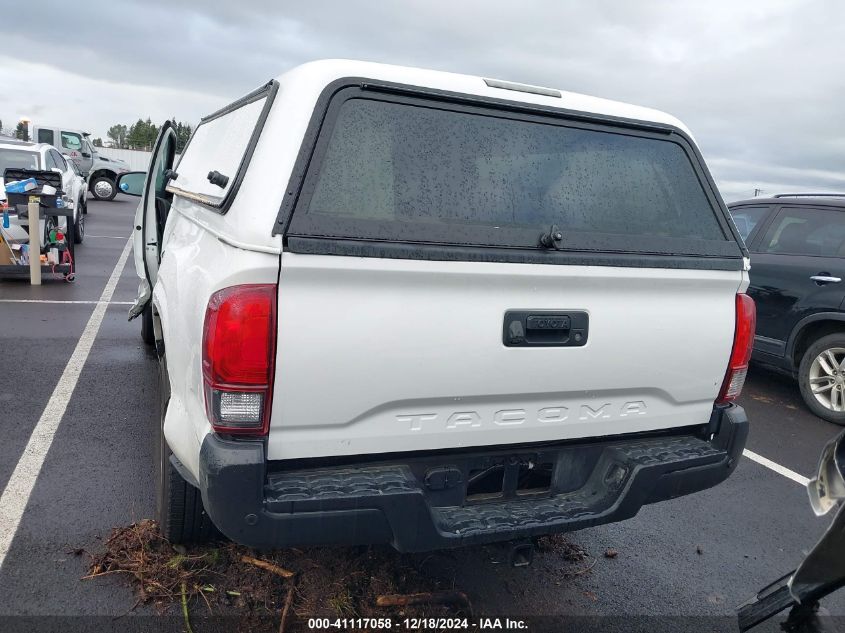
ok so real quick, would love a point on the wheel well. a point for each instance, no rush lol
(811, 333)
(102, 172)
(158, 332)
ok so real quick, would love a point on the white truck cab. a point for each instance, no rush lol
(100, 172)
(74, 144)
(427, 309)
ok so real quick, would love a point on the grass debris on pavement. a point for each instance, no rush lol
(228, 579)
(281, 589)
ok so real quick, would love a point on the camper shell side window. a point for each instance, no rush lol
(214, 161)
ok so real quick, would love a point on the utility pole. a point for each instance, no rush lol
(757, 192)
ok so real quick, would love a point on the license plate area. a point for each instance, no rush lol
(496, 476)
(509, 477)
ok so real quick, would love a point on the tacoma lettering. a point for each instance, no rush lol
(516, 417)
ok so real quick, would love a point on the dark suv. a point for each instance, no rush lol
(797, 245)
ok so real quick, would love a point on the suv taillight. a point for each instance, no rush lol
(746, 319)
(238, 350)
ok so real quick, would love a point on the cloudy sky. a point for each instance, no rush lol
(760, 83)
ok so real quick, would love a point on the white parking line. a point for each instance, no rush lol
(114, 303)
(780, 470)
(19, 487)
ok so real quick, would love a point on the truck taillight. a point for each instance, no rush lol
(746, 320)
(238, 350)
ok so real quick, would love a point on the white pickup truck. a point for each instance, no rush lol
(401, 306)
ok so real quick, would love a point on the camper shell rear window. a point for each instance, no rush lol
(388, 167)
(223, 142)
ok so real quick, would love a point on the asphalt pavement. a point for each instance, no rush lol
(699, 555)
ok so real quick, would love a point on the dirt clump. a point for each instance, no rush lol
(561, 546)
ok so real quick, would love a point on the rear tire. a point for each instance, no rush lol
(147, 332)
(180, 513)
(810, 376)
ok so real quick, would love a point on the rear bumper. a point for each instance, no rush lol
(419, 502)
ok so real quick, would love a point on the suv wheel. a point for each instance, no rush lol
(103, 188)
(821, 378)
(180, 513)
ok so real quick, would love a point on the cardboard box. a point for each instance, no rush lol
(5, 253)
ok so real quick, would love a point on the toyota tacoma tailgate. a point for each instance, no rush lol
(458, 275)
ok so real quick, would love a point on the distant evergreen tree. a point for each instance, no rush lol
(117, 134)
(143, 133)
(183, 134)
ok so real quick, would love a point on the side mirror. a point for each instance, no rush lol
(56, 169)
(132, 183)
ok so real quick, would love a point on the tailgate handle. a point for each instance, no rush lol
(548, 322)
(541, 328)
